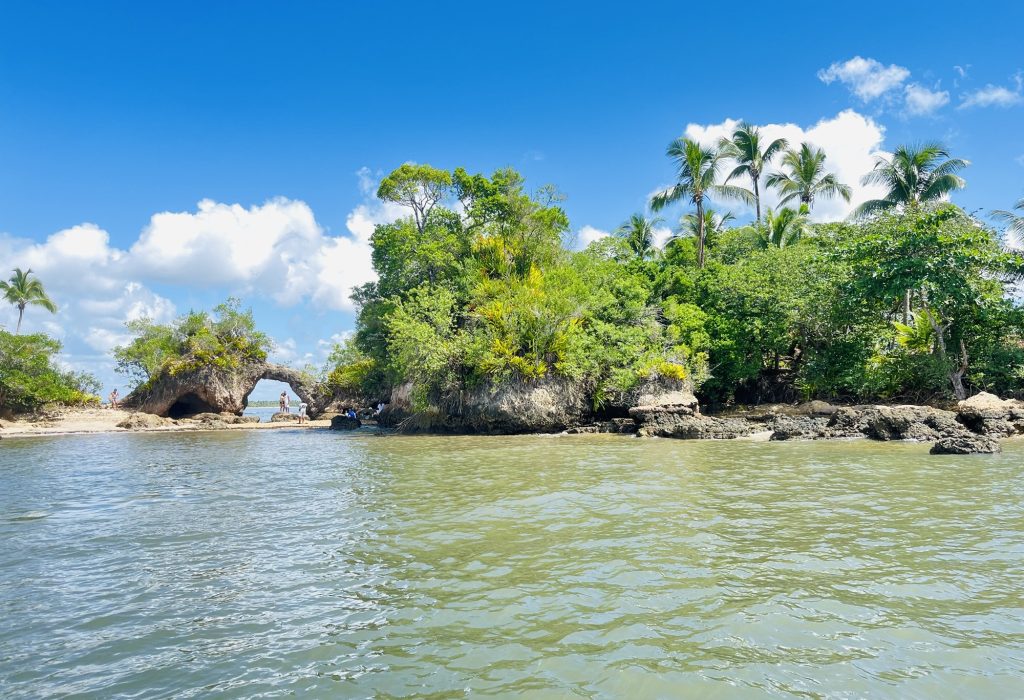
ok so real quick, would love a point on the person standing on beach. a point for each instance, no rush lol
(302, 412)
(113, 399)
(282, 402)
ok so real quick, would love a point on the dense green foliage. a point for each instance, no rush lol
(909, 304)
(31, 379)
(224, 339)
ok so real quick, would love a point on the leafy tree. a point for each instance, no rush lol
(30, 378)
(914, 174)
(805, 177)
(697, 178)
(22, 291)
(638, 232)
(419, 187)
(714, 224)
(226, 339)
(950, 263)
(745, 148)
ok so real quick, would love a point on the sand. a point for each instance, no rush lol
(105, 420)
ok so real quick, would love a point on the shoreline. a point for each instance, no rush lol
(104, 421)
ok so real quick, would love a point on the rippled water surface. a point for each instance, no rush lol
(319, 564)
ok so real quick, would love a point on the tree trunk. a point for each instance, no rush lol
(757, 196)
(906, 307)
(956, 377)
(700, 233)
(21, 315)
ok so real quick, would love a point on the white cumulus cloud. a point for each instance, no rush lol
(920, 101)
(865, 77)
(993, 96)
(587, 235)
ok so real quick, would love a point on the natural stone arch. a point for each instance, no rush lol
(307, 389)
(214, 390)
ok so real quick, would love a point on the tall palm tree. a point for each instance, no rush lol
(913, 175)
(745, 148)
(783, 227)
(1014, 222)
(22, 291)
(697, 178)
(805, 177)
(638, 232)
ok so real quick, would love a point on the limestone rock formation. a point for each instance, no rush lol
(966, 444)
(542, 406)
(282, 417)
(987, 414)
(142, 421)
(214, 390)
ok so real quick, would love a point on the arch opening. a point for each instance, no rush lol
(189, 405)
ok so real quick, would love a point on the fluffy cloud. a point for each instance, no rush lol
(865, 77)
(850, 140)
(993, 96)
(921, 101)
(587, 235)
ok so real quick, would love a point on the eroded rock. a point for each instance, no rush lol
(345, 423)
(142, 421)
(966, 444)
(988, 414)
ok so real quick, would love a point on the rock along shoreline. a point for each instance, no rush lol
(974, 426)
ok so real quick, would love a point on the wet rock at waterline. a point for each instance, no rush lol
(967, 444)
(281, 417)
(988, 414)
(345, 423)
(142, 421)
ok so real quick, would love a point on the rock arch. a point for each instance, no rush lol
(214, 390)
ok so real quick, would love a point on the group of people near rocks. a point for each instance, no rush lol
(285, 406)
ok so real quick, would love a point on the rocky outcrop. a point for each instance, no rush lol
(909, 423)
(987, 414)
(345, 423)
(215, 390)
(281, 417)
(142, 421)
(621, 426)
(966, 444)
(547, 405)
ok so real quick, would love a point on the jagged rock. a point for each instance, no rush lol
(142, 421)
(966, 444)
(623, 426)
(215, 390)
(281, 417)
(987, 414)
(225, 418)
(805, 427)
(690, 426)
(846, 422)
(909, 423)
(815, 408)
(345, 423)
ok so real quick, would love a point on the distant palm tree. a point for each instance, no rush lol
(713, 223)
(638, 232)
(21, 291)
(806, 178)
(1014, 222)
(697, 178)
(745, 148)
(783, 227)
(913, 175)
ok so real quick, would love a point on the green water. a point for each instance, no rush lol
(319, 564)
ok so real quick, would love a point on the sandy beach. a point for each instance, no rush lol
(104, 420)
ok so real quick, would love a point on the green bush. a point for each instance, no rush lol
(30, 378)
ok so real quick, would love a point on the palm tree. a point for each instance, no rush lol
(713, 223)
(21, 291)
(696, 178)
(913, 175)
(1014, 222)
(806, 177)
(638, 232)
(783, 227)
(745, 148)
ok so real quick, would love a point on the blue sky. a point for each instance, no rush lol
(118, 119)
